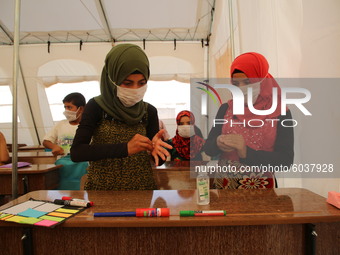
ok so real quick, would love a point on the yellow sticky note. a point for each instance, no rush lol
(30, 220)
(16, 219)
(66, 210)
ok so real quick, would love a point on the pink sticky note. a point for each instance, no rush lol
(334, 198)
(46, 223)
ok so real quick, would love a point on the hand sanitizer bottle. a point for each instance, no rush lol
(203, 196)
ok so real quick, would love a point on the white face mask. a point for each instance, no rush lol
(70, 115)
(186, 131)
(256, 89)
(130, 97)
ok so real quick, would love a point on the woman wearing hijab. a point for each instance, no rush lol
(118, 130)
(186, 143)
(245, 145)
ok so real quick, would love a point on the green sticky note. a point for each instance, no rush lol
(45, 217)
(3, 215)
(30, 220)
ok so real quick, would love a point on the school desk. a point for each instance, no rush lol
(179, 165)
(32, 148)
(37, 177)
(176, 174)
(36, 157)
(277, 221)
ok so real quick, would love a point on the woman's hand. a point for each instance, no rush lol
(139, 143)
(221, 144)
(236, 142)
(159, 147)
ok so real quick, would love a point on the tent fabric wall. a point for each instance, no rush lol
(66, 63)
(300, 38)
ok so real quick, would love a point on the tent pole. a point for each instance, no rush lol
(231, 28)
(15, 100)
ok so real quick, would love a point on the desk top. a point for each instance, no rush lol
(31, 147)
(33, 154)
(179, 165)
(32, 169)
(244, 207)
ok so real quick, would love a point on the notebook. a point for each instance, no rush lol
(20, 164)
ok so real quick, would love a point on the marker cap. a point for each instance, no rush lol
(186, 213)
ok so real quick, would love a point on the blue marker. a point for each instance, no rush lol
(115, 214)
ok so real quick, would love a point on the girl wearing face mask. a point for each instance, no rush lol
(270, 144)
(186, 144)
(119, 131)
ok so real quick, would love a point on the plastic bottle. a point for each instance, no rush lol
(203, 195)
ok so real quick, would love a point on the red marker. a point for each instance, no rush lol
(76, 199)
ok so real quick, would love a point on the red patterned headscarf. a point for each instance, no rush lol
(255, 67)
(182, 145)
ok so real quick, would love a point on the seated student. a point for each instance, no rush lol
(119, 131)
(4, 155)
(60, 139)
(186, 143)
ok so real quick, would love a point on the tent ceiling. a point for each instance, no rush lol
(106, 20)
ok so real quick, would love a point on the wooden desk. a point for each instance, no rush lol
(179, 165)
(258, 222)
(39, 177)
(36, 157)
(32, 148)
(175, 175)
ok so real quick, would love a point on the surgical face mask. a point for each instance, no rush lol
(70, 115)
(256, 88)
(186, 131)
(130, 97)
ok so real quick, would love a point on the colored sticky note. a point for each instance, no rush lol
(46, 223)
(30, 220)
(58, 214)
(6, 217)
(3, 215)
(32, 213)
(45, 217)
(16, 219)
(67, 210)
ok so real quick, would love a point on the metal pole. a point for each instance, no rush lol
(231, 28)
(15, 100)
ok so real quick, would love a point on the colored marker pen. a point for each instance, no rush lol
(71, 203)
(202, 213)
(140, 212)
(76, 199)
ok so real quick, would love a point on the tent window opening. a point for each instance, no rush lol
(169, 97)
(57, 92)
(6, 104)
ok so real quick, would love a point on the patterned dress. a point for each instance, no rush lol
(128, 173)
